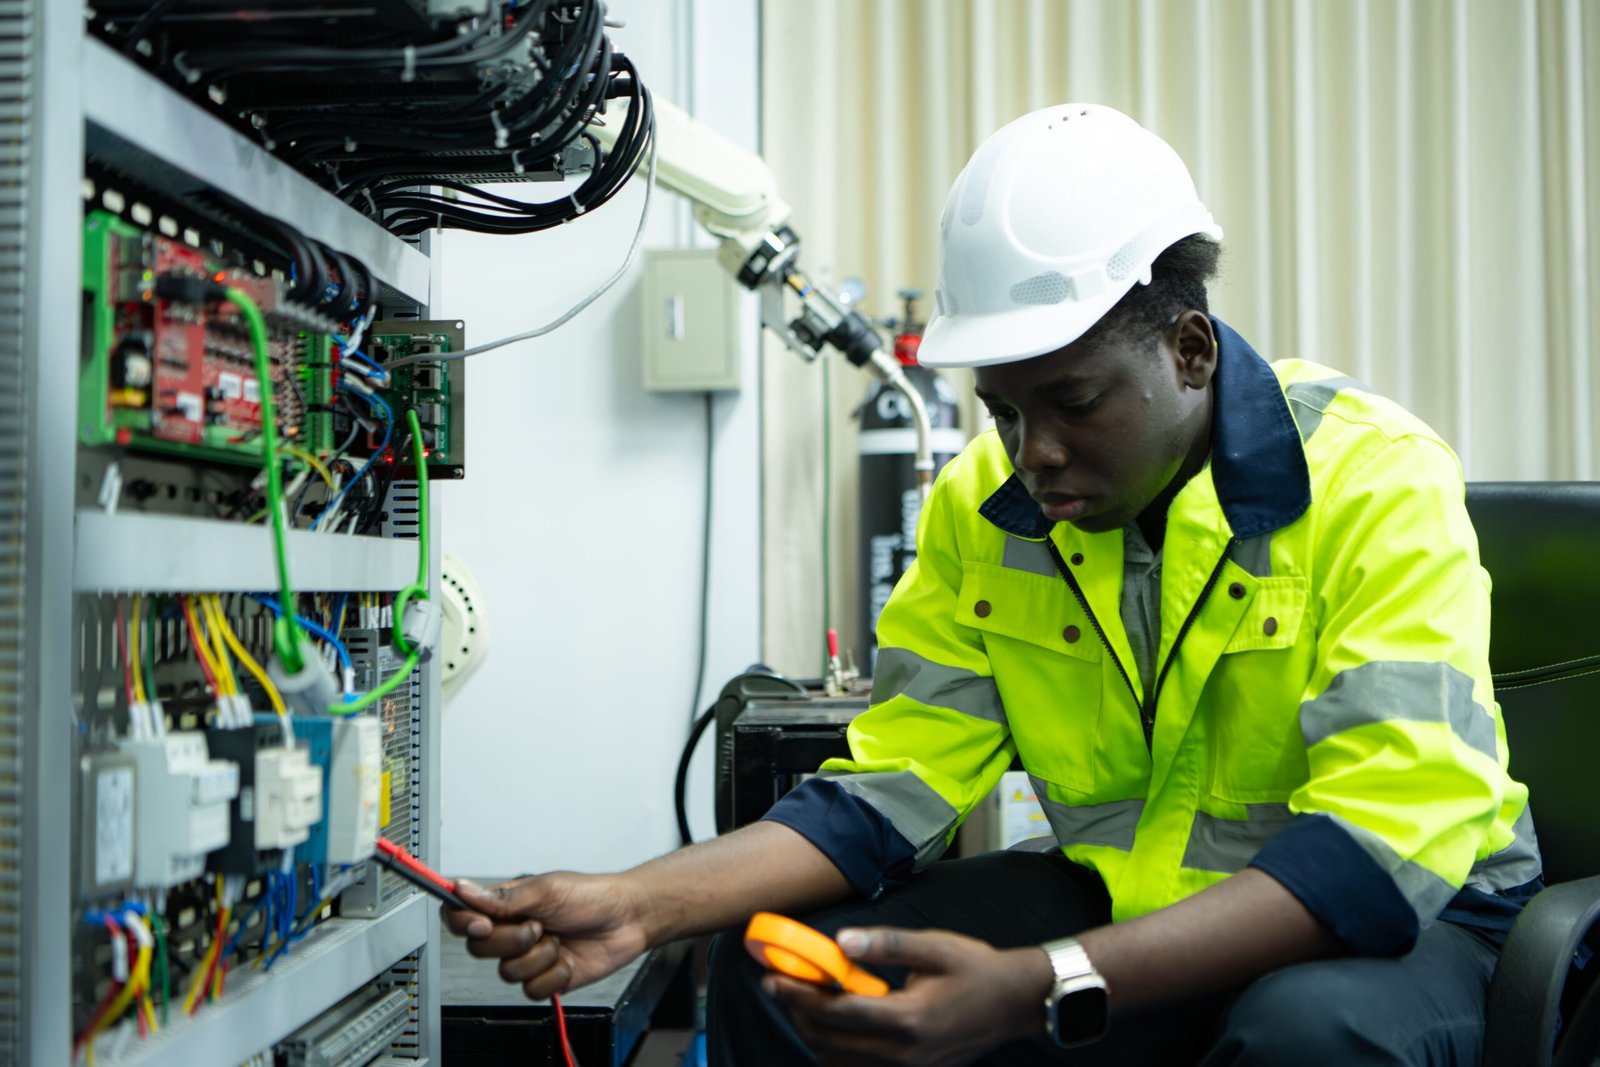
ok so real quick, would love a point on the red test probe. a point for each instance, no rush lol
(419, 874)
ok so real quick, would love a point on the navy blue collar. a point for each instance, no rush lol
(1257, 462)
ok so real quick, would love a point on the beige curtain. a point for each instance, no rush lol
(1405, 187)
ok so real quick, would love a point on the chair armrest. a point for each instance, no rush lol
(1525, 995)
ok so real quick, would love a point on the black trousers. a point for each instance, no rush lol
(1425, 1008)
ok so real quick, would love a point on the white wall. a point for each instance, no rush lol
(581, 512)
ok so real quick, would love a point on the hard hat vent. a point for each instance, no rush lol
(1051, 287)
(1132, 256)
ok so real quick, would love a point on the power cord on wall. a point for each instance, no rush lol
(698, 725)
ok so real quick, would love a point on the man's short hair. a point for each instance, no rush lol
(1178, 280)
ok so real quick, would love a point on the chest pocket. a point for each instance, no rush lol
(1047, 663)
(1258, 752)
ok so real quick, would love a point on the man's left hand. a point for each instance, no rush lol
(963, 998)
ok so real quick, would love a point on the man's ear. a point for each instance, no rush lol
(1194, 345)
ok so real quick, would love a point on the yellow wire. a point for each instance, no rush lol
(137, 980)
(312, 461)
(133, 649)
(201, 646)
(211, 608)
(250, 664)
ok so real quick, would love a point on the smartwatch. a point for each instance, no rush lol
(1078, 1009)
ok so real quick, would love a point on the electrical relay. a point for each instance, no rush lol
(181, 810)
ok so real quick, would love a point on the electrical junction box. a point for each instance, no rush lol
(691, 323)
(181, 806)
(280, 797)
(348, 751)
(108, 799)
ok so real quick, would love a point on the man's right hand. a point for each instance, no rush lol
(551, 932)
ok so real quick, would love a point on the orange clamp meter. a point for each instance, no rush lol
(796, 950)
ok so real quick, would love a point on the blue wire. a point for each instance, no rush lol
(388, 432)
(314, 628)
(358, 356)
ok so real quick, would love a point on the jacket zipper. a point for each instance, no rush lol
(1147, 707)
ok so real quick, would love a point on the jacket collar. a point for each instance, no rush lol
(1257, 462)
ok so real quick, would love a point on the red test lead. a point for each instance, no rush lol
(416, 872)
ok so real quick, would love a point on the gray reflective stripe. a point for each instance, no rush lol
(1516, 864)
(1030, 556)
(901, 672)
(1425, 891)
(1390, 691)
(1254, 554)
(1228, 845)
(1111, 824)
(902, 441)
(912, 806)
(1309, 400)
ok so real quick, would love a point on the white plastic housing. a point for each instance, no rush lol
(288, 797)
(182, 806)
(355, 777)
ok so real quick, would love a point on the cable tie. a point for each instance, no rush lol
(349, 145)
(366, 191)
(516, 163)
(578, 209)
(501, 138)
(409, 71)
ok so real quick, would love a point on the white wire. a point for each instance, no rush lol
(633, 249)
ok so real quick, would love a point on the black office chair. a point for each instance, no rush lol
(1541, 544)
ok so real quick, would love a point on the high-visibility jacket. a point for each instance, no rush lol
(1322, 706)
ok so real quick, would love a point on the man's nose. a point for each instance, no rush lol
(1041, 451)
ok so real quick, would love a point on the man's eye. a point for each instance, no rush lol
(1002, 414)
(1081, 407)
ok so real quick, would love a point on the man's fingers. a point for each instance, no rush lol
(554, 980)
(888, 946)
(515, 899)
(828, 1010)
(545, 953)
(466, 923)
(506, 940)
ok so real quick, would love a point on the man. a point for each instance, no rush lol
(1231, 619)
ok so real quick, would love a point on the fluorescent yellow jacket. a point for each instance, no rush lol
(1323, 707)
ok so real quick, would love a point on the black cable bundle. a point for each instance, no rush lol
(401, 118)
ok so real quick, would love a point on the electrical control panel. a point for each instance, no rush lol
(433, 386)
(176, 376)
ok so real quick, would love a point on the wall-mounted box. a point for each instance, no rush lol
(691, 322)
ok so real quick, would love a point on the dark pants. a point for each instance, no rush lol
(1426, 1008)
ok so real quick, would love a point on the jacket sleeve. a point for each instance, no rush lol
(934, 741)
(1404, 742)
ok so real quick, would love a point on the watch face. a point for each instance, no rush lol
(1082, 1015)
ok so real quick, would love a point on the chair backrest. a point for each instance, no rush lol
(1540, 542)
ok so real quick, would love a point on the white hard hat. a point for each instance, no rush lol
(1054, 219)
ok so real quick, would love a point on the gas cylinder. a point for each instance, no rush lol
(890, 501)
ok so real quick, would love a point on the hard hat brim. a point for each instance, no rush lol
(1009, 336)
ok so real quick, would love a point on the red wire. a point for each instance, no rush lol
(561, 1024)
(105, 1005)
(122, 651)
(194, 643)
